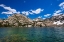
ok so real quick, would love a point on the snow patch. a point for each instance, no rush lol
(58, 23)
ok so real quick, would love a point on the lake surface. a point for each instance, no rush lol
(32, 34)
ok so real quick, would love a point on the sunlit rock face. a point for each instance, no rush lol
(18, 19)
(1, 21)
(58, 17)
(58, 20)
(58, 23)
(38, 22)
(37, 19)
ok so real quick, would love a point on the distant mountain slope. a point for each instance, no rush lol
(58, 20)
(19, 20)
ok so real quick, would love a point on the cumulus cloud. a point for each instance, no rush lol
(38, 18)
(25, 12)
(37, 11)
(61, 5)
(58, 23)
(9, 10)
(12, 11)
(47, 15)
(56, 13)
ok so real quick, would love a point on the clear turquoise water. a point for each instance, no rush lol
(32, 34)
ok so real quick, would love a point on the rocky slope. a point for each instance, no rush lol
(18, 20)
(57, 20)
(53, 21)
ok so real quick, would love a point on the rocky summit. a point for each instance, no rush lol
(16, 20)
(19, 20)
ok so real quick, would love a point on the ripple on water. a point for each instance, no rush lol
(32, 34)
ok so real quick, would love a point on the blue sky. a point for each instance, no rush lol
(31, 8)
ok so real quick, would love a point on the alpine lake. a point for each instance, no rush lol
(33, 34)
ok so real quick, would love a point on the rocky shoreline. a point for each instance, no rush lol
(19, 20)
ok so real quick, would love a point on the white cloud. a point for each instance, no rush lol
(58, 23)
(18, 12)
(31, 13)
(12, 11)
(47, 15)
(8, 15)
(25, 13)
(40, 17)
(2, 5)
(58, 12)
(9, 10)
(61, 5)
(44, 18)
(37, 11)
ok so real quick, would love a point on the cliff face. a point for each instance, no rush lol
(18, 20)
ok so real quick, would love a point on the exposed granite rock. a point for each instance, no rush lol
(19, 20)
(1, 21)
(55, 20)
(38, 22)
